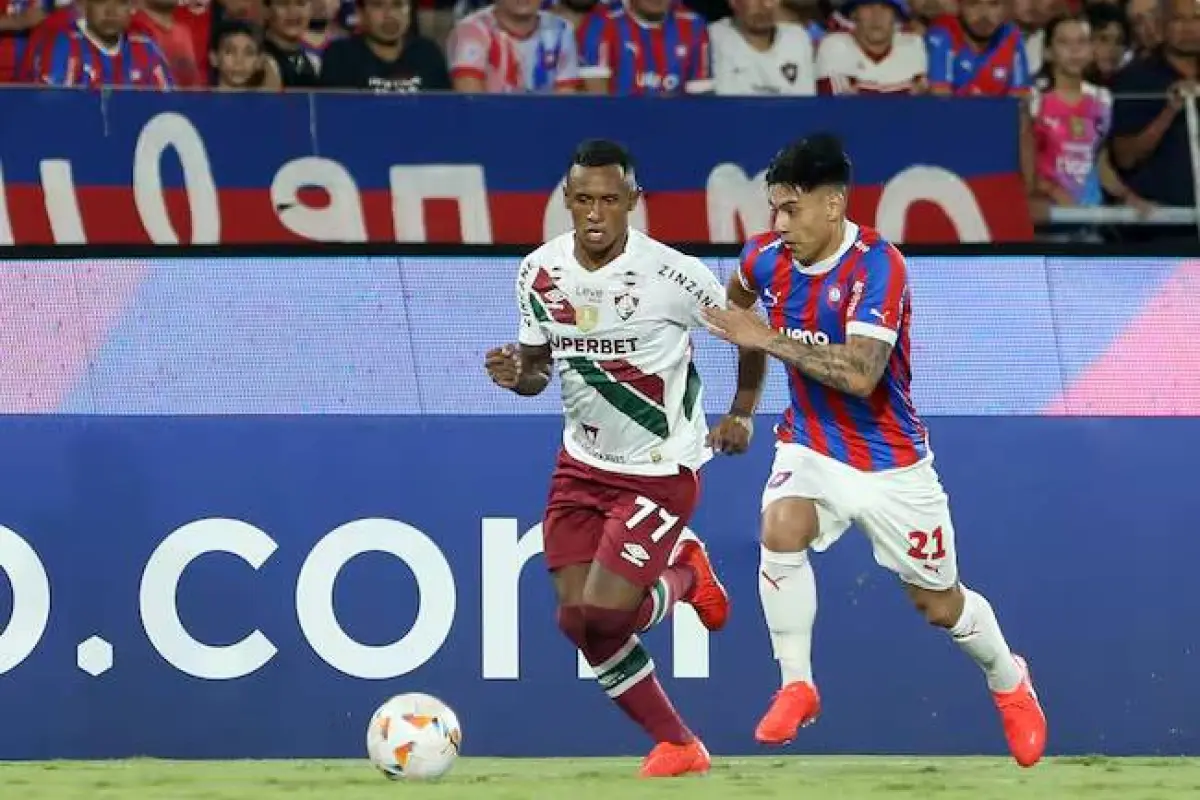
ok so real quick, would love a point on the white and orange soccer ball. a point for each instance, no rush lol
(414, 737)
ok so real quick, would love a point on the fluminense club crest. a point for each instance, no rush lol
(626, 305)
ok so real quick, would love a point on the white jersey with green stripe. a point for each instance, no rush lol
(620, 337)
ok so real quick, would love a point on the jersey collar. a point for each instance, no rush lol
(821, 267)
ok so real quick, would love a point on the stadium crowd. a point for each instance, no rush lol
(1080, 148)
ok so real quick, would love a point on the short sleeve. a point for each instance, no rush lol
(702, 291)
(568, 65)
(878, 296)
(940, 54)
(1022, 81)
(468, 48)
(532, 314)
(592, 40)
(745, 269)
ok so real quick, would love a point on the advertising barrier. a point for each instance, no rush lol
(245, 500)
(129, 167)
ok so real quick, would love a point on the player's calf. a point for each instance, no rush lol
(971, 622)
(625, 672)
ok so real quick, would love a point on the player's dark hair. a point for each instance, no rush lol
(602, 153)
(818, 160)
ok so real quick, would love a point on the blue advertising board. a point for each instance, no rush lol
(141, 167)
(246, 500)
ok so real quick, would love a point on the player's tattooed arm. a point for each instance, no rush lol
(854, 368)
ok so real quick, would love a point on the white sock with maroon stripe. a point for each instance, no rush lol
(788, 590)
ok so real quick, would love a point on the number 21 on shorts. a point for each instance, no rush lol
(927, 546)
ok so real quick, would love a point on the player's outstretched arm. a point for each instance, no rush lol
(733, 433)
(854, 368)
(524, 369)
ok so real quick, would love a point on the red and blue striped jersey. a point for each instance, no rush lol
(73, 58)
(862, 290)
(13, 43)
(645, 58)
(999, 69)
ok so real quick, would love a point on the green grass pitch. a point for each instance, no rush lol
(827, 778)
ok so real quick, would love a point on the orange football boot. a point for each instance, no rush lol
(795, 706)
(707, 596)
(669, 760)
(1023, 718)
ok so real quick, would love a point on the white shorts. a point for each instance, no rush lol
(904, 512)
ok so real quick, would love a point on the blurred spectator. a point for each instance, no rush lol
(1071, 119)
(924, 12)
(1031, 17)
(1146, 21)
(809, 14)
(645, 47)
(205, 18)
(876, 57)
(99, 50)
(18, 18)
(1150, 135)
(324, 25)
(59, 20)
(979, 52)
(166, 22)
(754, 54)
(573, 11)
(287, 22)
(1111, 37)
(514, 47)
(238, 60)
(387, 57)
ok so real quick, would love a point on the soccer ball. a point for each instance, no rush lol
(413, 737)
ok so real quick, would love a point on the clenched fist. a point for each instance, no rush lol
(504, 366)
(732, 434)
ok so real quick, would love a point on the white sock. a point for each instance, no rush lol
(978, 633)
(788, 590)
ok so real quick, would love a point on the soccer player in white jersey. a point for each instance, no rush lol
(851, 448)
(753, 54)
(610, 310)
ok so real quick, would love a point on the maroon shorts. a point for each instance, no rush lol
(627, 523)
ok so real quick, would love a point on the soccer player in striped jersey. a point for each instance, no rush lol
(611, 310)
(99, 50)
(851, 448)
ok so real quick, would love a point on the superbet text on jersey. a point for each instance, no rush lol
(620, 341)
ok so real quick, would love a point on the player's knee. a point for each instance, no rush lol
(573, 623)
(608, 623)
(789, 525)
(939, 608)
